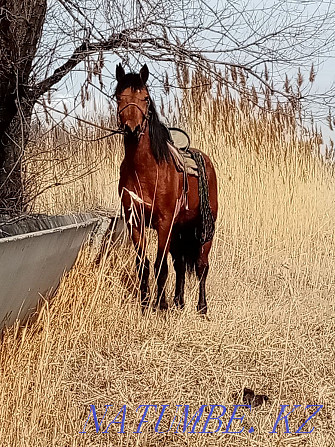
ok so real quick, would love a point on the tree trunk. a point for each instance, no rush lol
(13, 144)
(21, 23)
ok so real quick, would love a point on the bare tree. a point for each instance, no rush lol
(42, 42)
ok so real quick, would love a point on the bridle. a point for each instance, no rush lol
(145, 114)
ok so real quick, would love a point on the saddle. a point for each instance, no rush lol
(191, 162)
(181, 153)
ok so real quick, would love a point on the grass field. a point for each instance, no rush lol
(270, 291)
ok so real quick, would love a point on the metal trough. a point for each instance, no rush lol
(32, 264)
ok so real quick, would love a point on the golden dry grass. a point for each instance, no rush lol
(271, 306)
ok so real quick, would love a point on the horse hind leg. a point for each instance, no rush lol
(201, 268)
(185, 252)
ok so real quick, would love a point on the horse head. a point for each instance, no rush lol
(133, 101)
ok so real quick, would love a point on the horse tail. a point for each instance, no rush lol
(207, 221)
(185, 244)
(187, 239)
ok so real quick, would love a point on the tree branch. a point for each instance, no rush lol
(79, 54)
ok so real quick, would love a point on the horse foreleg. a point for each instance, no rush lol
(142, 265)
(201, 268)
(161, 266)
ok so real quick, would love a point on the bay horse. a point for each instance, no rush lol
(152, 191)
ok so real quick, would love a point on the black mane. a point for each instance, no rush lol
(158, 132)
(130, 80)
(159, 135)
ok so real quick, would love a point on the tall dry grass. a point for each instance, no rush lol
(270, 291)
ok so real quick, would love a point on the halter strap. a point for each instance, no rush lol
(146, 115)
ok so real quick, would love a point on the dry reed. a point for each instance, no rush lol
(270, 293)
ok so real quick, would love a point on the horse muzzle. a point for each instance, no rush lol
(132, 132)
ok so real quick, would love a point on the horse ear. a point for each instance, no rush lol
(120, 73)
(144, 73)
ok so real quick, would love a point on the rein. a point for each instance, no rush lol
(82, 120)
(118, 131)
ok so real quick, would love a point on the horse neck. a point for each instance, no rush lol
(139, 154)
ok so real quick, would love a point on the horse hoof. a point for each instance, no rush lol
(204, 317)
(145, 309)
(202, 310)
(179, 306)
(160, 306)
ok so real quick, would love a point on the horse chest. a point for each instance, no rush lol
(136, 206)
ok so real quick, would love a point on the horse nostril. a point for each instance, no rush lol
(127, 129)
(132, 132)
